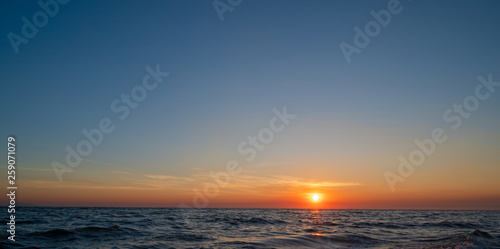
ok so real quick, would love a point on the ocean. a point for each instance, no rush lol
(57, 227)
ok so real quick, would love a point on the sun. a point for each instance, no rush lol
(315, 197)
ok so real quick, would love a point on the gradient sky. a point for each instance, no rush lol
(353, 119)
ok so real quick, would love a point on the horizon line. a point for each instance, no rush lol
(387, 209)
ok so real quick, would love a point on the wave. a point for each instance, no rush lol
(53, 233)
(238, 221)
(315, 241)
(447, 224)
(259, 221)
(391, 225)
(321, 223)
(182, 237)
(476, 239)
(377, 224)
(36, 221)
(483, 234)
(87, 231)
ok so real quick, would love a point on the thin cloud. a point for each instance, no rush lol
(120, 172)
(167, 177)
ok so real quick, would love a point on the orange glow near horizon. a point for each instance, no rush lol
(251, 190)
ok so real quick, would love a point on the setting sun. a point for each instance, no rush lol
(315, 197)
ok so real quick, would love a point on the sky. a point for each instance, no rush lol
(220, 74)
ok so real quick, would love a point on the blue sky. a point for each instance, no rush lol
(227, 76)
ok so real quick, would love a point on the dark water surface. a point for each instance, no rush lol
(43, 227)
